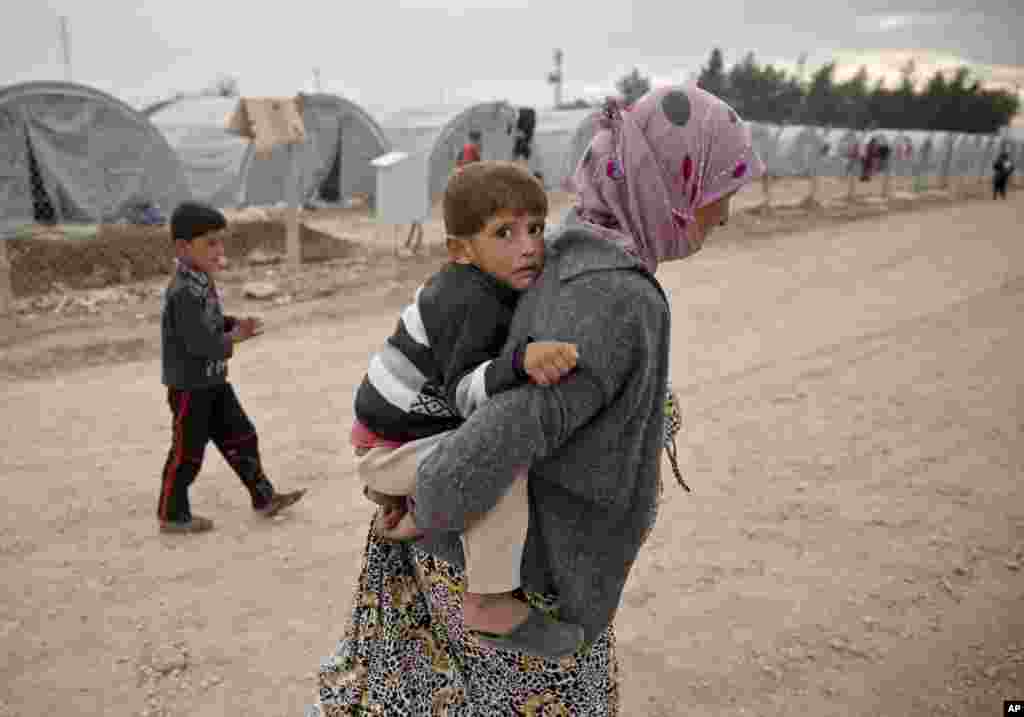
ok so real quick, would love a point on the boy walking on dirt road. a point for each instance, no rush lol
(196, 342)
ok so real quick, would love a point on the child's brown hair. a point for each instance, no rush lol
(479, 190)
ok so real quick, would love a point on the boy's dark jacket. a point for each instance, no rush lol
(195, 345)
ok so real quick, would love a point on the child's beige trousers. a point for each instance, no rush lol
(493, 544)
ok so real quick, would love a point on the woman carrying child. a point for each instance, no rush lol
(652, 185)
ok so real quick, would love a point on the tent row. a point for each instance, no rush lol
(805, 151)
(70, 153)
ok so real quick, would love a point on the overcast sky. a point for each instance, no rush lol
(389, 54)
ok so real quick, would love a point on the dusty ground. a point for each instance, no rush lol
(853, 433)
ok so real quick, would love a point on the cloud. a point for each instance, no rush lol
(887, 64)
(889, 22)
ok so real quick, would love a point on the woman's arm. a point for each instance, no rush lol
(610, 317)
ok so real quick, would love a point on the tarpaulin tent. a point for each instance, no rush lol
(1016, 152)
(215, 160)
(989, 154)
(1015, 135)
(585, 129)
(560, 139)
(915, 154)
(434, 136)
(901, 157)
(965, 156)
(765, 138)
(843, 152)
(799, 150)
(71, 153)
(341, 139)
(334, 160)
(929, 152)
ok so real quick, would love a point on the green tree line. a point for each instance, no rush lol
(764, 93)
(767, 94)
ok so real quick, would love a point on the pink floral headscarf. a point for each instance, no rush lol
(649, 167)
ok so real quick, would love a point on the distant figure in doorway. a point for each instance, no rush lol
(868, 160)
(472, 151)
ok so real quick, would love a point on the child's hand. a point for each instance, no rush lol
(547, 362)
(247, 328)
(393, 506)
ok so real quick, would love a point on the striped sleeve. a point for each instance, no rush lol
(470, 329)
(397, 399)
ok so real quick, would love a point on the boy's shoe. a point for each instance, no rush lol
(538, 635)
(280, 501)
(198, 524)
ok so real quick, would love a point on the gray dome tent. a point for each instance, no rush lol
(341, 139)
(559, 141)
(582, 136)
(799, 151)
(222, 169)
(71, 153)
(841, 143)
(435, 136)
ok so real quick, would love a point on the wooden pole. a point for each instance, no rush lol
(6, 292)
(811, 200)
(292, 241)
(766, 190)
(851, 182)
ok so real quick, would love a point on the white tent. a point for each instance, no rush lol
(843, 147)
(989, 154)
(901, 157)
(70, 153)
(1016, 152)
(967, 151)
(943, 146)
(1015, 135)
(215, 161)
(974, 149)
(799, 150)
(766, 143)
(334, 161)
(582, 136)
(922, 159)
(434, 136)
(559, 140)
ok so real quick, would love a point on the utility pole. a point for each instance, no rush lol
(555, 78)
(801, 68)
(65, 42)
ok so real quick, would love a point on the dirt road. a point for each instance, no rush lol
(854, 545)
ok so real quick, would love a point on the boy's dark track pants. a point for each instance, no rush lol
(209, 414)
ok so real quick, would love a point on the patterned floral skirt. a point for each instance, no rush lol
(404, 652)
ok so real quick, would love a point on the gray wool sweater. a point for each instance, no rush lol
(592, 442)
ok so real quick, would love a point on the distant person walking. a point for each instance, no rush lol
(868, 160)
(1002, 169)
(472, 151)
